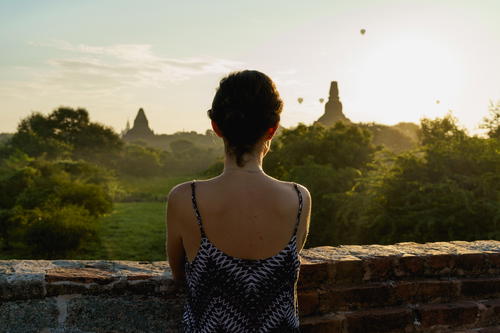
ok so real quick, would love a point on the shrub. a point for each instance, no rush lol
(55, 231)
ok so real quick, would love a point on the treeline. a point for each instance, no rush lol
(184, 158)
(370, 183)
(60, 172)
(447, 188)
(164, 141)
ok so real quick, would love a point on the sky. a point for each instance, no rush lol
(417, 58)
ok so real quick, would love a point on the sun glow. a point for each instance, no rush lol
(408, 75)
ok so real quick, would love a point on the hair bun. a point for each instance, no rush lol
(244, 107)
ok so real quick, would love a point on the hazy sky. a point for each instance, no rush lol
(113, 57)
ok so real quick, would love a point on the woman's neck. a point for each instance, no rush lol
(253, 164)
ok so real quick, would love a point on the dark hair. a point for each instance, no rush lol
(245, 106)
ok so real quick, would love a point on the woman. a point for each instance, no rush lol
(235, 238)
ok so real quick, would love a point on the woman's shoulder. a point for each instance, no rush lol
(303, 190)
(184, 189)
(180, 190)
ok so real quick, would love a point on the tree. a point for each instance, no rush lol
(449, 190)
(140, 161)
(327, 160)
(492, 123)
(339, 146)
(181, 146)
(35, 195)
(66, 132)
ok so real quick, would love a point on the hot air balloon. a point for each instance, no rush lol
(300, 100)
(362, 31)
(321, 100)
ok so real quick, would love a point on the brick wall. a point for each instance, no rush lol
(405, 287)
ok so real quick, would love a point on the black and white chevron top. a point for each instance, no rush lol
(228, 294)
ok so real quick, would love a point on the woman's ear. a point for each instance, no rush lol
(270, 132)
(216, 129)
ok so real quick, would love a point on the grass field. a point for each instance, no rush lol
(151, 188)
(133, 231)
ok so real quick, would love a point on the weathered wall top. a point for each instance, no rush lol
(405, 287)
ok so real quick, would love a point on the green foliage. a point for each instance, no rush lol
(397, 139)
(57, 179)
(65, 132)
(449, 190)
(139, 161)
(446, 189)
(38, 197)
(492, 123)
(181, 146)
(54, 231)
(339, 146)
(188, 159)
(214, 170)
(5, 137)
(208, 140)
(327, 161)
(185, 158)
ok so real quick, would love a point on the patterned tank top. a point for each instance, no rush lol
(228, 294)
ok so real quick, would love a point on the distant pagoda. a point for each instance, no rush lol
(140, 130)
(333, 108)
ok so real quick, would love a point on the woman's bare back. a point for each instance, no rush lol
(245, 216)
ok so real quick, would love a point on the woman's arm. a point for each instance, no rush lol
(174, 246)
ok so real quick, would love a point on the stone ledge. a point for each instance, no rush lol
(400, 287)
(467, 316)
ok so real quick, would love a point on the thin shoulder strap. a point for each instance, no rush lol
(300, 208)
(195, 207)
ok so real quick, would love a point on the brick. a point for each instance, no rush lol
(494, 260)
(436, 291)
(308, 302)
(480, 287)
(356, 297)
(312, 274)
(471, 263)
(379, 320)
(440, 264)
(330, 323)
(409, 265)
(82, 275)
(405, 291)
(25, 287)
(55, 289)
(449, 314)
(480, 330)
(139, 276)
(495, 329)
(490, 312)
(143, 287)
(378, 268)
(28, 316)
(347, 271)
(428, 291)
(493, 304)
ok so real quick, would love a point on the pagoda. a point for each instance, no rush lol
(140, 130)
(333, 108)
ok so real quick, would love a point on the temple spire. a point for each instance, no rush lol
(141, 129)
(333, 108)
